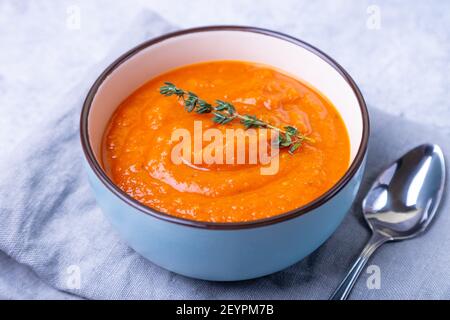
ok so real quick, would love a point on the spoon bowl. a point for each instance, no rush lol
(400, 204)
(404, 198)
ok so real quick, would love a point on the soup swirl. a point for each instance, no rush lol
(138, 145)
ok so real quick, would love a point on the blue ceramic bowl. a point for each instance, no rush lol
(224, 251)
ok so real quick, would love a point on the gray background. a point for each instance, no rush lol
(402, 68)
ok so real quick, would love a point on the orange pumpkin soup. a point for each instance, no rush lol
(138, 144)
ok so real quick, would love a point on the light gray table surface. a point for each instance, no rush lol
(401, 63)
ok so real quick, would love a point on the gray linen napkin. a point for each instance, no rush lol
(49, 221)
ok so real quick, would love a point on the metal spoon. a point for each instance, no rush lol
(400, 204)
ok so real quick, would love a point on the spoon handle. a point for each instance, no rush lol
(342, 292)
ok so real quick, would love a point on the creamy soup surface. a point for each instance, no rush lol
(138, 144)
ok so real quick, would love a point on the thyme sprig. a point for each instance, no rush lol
(225, 112)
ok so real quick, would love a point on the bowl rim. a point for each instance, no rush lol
(108, 183)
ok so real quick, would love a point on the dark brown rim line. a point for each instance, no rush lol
(99, 172)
